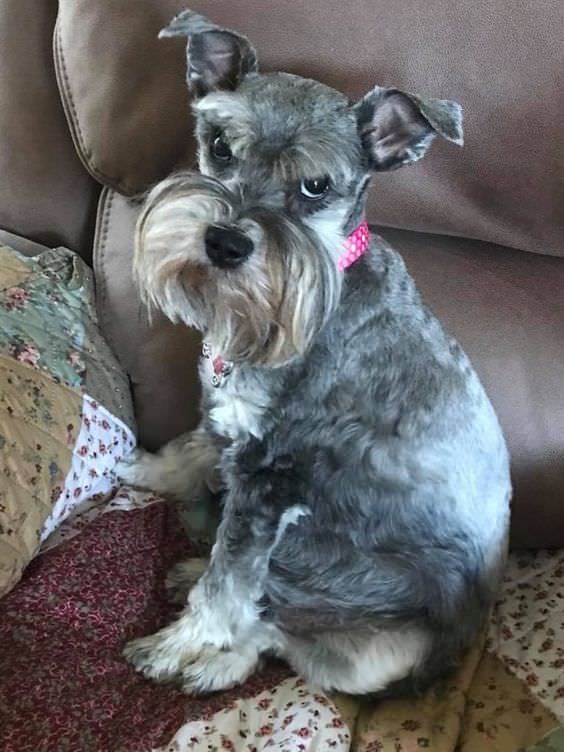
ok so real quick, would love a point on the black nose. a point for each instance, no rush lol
(227, 248)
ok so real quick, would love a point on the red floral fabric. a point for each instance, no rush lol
(64, 685)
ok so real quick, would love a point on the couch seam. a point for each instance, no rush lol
(60, 57)
(99, 261)
(73, 120)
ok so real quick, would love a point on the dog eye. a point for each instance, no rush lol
(314, 188)
(220, 149)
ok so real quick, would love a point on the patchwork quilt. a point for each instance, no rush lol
(64, 686)
(66, 415)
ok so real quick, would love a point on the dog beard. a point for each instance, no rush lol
(266, 311)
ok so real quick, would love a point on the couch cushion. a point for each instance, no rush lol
(505, 307)
(126, 99)
(122, 90)
(45, 192)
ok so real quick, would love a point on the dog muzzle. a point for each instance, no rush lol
(355, 246)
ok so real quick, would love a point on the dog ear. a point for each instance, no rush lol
(217, 58)
(396, 128)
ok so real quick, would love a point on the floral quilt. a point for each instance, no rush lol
(64, 686)
(66, 415)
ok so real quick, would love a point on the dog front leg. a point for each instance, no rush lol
(185, 468)
(218, 639)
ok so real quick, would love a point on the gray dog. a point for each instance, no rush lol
(364, 476)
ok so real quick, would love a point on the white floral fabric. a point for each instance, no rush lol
(125, 499)
(527, 627)
(292, 717)
(102, 441)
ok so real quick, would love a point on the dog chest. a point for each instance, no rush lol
(235, 403)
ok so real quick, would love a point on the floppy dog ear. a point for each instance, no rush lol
(218, 59)
(396, 128)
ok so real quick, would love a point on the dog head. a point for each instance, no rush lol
(247, 249)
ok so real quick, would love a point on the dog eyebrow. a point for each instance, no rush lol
(225, 106)
(291, 167)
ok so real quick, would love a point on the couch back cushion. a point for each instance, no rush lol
(45, 192)
(125, 98)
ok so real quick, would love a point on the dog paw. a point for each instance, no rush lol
(155, 657)
(133, 468)
(216, 670)
(208, 669)
(182, 578)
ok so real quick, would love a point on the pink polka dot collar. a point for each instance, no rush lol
(356, 244)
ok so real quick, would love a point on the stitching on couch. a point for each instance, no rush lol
(71, 112)
(66, 91)
(99, 260)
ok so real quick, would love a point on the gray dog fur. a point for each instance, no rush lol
(364, 475)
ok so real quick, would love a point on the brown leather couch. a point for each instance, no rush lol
(93, 109)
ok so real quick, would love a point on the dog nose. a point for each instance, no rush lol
(227, 248)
